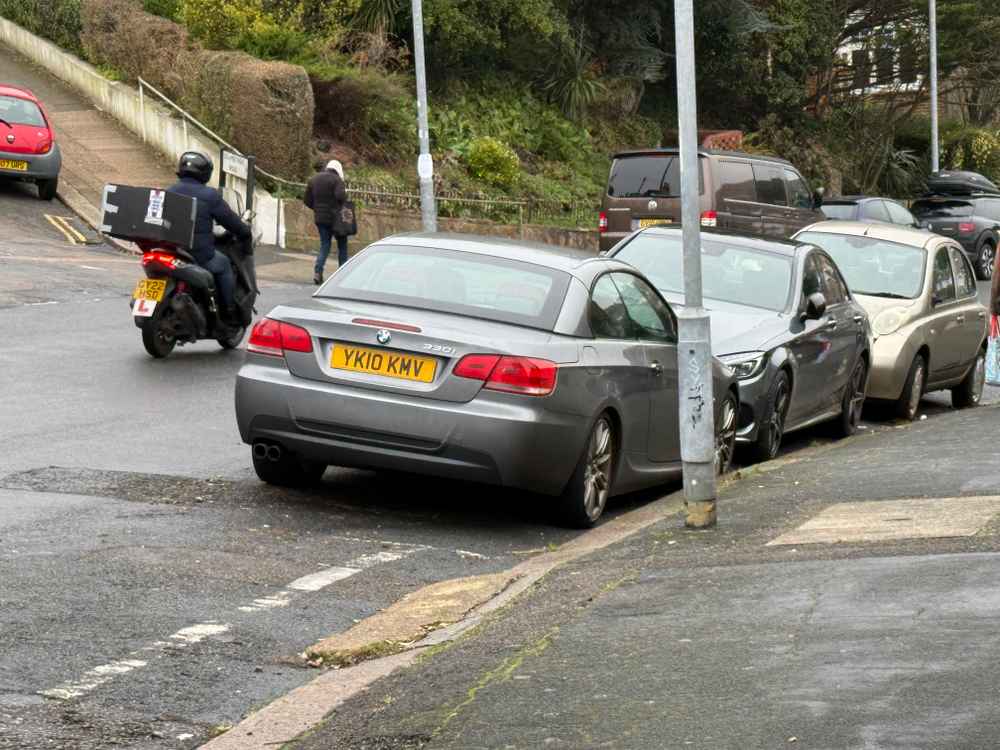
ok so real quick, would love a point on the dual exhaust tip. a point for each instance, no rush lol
(267, 451)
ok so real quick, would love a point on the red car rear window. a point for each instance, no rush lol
(21, 112)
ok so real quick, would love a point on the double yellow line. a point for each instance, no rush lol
(62, 224)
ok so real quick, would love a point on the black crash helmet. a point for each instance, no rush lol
(197, 165)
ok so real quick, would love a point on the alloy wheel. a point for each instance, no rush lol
(916, 391)
(597, 471)
(858, 388)
(987, 258)
(776, 424)
(725, 438)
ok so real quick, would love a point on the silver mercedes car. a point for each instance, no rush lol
(521, 365)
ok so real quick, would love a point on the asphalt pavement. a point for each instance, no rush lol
(752, 635)
(151, 589)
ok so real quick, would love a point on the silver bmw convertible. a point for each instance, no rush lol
(528, 366)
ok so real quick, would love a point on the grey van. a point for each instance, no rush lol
(744, 193)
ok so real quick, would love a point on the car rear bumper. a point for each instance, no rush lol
(495, 438)
(40, 166)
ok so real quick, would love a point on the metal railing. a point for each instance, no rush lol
(476, 206)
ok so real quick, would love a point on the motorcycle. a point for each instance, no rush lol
(176, 303)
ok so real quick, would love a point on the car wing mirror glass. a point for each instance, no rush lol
(815, 307)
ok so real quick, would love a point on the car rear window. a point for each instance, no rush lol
(21, 112)
(452, 281)
(840, 211)
(648, 176)
(731, 272)
(945, 209)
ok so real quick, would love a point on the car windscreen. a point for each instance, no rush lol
(942, 209)
(21, 112)
(841, 211)
(874, 267)
(731, 272)
(648, 176)
(451, 281)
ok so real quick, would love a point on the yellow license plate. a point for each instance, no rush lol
(150, 289)
(643, 223)
(382, 362)
(17, 166)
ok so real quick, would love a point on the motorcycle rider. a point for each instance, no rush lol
(194, 171)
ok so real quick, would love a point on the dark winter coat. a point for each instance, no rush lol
(211, 209)
(325, 195)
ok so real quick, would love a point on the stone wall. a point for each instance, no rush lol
(375, 223)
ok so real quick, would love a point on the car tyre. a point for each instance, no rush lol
(288, 471)
(725, 434)
(586, 494)
(985, 259)
(47, 189)
(908, 404)
(772, 422)
(157, 344)
(854, 400)
(969, 392)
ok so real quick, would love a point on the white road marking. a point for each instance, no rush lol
(94, 678)
(91, 268)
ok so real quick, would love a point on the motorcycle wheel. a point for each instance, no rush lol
(158, 345)
(234, 339)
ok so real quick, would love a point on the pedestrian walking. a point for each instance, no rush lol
(993, 344)
(326, 195)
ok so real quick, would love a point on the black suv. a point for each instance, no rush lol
(973, 220)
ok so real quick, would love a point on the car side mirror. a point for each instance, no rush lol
(815, 307)
(818, 198)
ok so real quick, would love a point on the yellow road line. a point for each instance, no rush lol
(66, 222)
(64, 229)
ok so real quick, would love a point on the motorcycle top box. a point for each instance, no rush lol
(143, 214)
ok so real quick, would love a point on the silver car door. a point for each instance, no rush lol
(946, 319)
(656, 328)
(971, 314)
(623, 372)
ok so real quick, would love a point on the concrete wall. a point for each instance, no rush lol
(155, 123)
(376, 223)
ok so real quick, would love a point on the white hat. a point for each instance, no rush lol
(336, 166)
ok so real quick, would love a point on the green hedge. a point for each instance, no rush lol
(57, 20)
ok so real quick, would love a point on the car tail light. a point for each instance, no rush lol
(275, 337)
(524, 375)
(710, 218)
(966, 227)
(602, 222)
(44, 144)
(164, 259)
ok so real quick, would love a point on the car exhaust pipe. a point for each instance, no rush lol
(260, 451)
(274, 453)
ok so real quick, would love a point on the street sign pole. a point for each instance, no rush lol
(425, 164)
(935, 166)
(697, 405)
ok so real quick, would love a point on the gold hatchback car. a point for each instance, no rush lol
(919, 290)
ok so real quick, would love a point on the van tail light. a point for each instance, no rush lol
(602, 222)
(966, 227)
(524, 375)
(274, 337)
(710, 218)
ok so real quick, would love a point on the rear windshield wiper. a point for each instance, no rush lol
(6, 123)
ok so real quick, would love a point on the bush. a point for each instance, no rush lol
(56, 20)
(165, 8)
(265, 108)
(494, 162)
(974, 149)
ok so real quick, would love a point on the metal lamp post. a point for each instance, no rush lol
(935, 166)
(697, 405)
(425, 164)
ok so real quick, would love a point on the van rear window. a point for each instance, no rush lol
(648, 176)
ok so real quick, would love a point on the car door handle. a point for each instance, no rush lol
(960, 318)
(656, 368)
(859, 319)
(831, 325)
(981, 315)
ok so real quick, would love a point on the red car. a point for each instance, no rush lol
(28, 149)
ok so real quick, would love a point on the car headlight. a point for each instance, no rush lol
(745, 365)
(889, 321)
